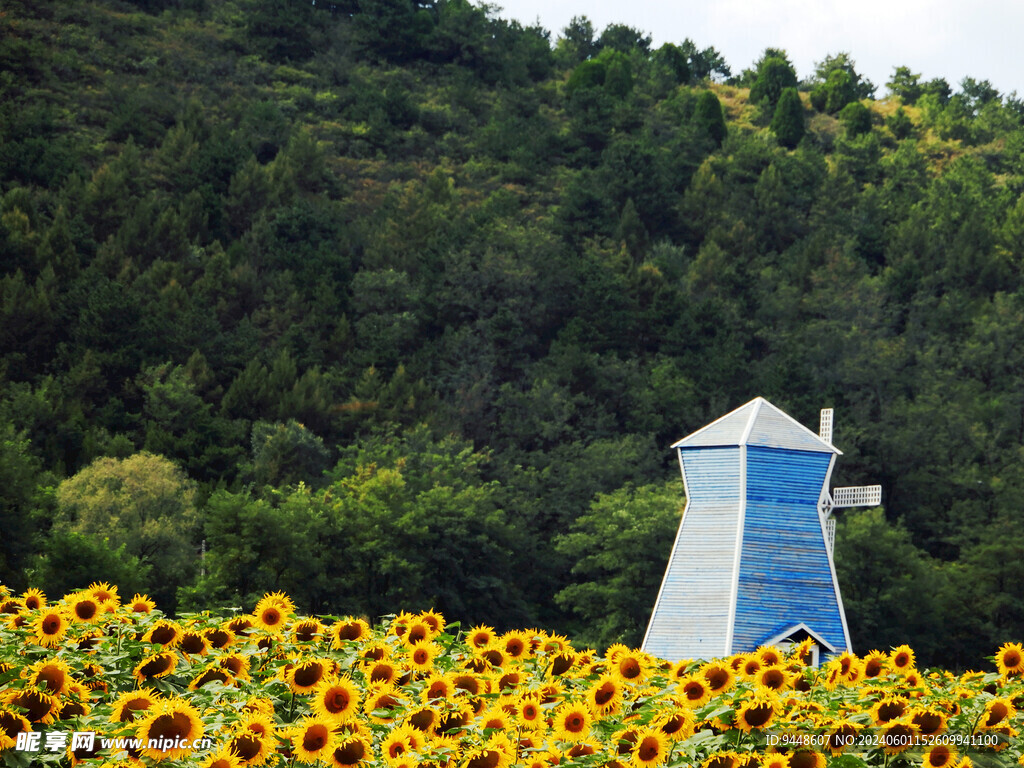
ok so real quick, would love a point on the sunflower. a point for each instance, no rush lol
(219, 637)
(775, 761)
(159, 664)
(630, 666)
(807, 758)
(769, 655)
(381, 703)
(840, 734)
(170, 721)
(695, 690)
(399, 743)
(438, 686)
(719, 676)
(876, 664)
(423, 718)
(236, 664)
(307, 631)
(495, 657)
(348, 630)
(897, 736)
(497, 752)
(211, 673)
(270, 616)
(940, 756)
(335, 699)
(757, 712)
(375, 650)
(249, 748)
(751, 666)
(888, 709)
(515, 644)
(259, 722)
(50, 627)
(383, 672)
(222, 758)
(141, 604)
(571, 722)
(69, 709)
(722, 760)
(434, 620)
(38, 707)
(508, 682)
(422, 655)
(11, 605)
(33, 599)
(306, 675)
(902, 658)
(494, 718)
(83, 607)
(604, 697)
(474, 685)
(259, 704)
(676, 725)
(1009, 659)
(529, 713)
(772, 678)
(194, 643)
(165, 633)
(929, 722)
(239, 625)
(312, 739)
(53, 675)
(480, 637)
(253, 740)
(554, 643)
(130, 703)
(11, 724)
(453, 720)
(418, 631)
(104, 592)
(561, 663)
(351, 751)
(997, 712)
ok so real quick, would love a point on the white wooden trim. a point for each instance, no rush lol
(800, 627)
(734, 589)
(672, 554)
(832, 567)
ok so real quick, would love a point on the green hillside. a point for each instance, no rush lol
(396, 305)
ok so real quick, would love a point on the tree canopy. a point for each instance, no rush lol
(399, 304)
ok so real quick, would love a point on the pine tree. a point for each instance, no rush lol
(709, 118)
(788, 121)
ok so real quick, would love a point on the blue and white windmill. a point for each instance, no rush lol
(752, 561)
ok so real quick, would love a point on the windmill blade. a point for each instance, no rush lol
(857, 496)
(825, 425)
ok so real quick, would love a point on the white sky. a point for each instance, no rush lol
(983, 39)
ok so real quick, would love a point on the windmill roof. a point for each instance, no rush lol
(757, 423)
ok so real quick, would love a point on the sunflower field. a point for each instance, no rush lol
(93, 680)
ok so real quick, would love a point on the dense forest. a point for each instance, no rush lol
(396, 304)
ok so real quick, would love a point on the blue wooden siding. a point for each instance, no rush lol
(784, 572)
(691, 616)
